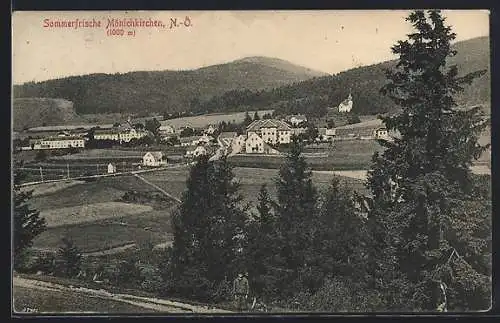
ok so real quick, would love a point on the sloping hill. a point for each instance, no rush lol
(165, 91)
(281, 64)
(364, 83)
(31, 112)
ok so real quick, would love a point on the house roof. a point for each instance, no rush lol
(156, 154)
(227, 134)
(196, 148)
(268, 123)
(107, 131)
(189, 139)
(62, 138)
(298, 116)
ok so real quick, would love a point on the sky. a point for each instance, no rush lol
(329, 41)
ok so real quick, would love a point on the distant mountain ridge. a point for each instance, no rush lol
(314, 95)
(165, 91)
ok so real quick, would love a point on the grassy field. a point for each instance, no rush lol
(60, 302)
(105, 189)
(344, 155)
(251, 179)
(91, 212)
(153, 226)
(208, 119)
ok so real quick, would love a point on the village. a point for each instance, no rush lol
(162, 142)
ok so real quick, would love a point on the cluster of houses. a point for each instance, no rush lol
(260, 137)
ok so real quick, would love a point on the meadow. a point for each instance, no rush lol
(203, 121)
(113, 228)
(344, 155)
(250, 179)
(91, 212)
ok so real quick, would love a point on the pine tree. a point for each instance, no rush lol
(342, 232)
(261, 247)
(297, 218)
(256, 116)
(247, 120)
(208, 232)
(27, 222)
(417, 181)
(70, 258)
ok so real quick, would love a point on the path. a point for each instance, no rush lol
(157, 187)
(104, 175)
(109, 251)
(160, 305)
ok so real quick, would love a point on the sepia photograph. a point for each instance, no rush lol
(251, 162)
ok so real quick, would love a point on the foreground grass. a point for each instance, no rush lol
(151, 227)
(44, 301)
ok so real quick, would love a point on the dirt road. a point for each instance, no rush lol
(160, 305)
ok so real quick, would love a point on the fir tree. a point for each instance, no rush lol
(341, 240)
(256, 116)
(247, 120)
(27, 222)
(208, 232)
(261, 250)
(425, 170)
(297, 217)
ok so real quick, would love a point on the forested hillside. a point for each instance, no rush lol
(315, 95)
(165, 91)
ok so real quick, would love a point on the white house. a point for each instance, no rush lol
(111, 168)
(238, 144)
(123, 134)
(205, 140)
(189, 141)
(254, 144)
(226, 138)
(166, 130)
(298, 131)
(346, 105)
(195, 152)
(271, 131)
(154, 159)
(381, 133)
(210, 130)
(130, 134)
(326, 134)
(107, 134)
(59, 142)
(295, 120)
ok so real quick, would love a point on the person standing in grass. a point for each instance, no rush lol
(240, 291)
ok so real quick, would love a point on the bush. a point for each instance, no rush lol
(69, 257)
(222, 291)
(151, 279)
(341, 294)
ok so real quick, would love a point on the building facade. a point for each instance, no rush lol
(271, 131)
(59, 143)
(196, 152)
(119, 135)
(153, 159)
(346, 105)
